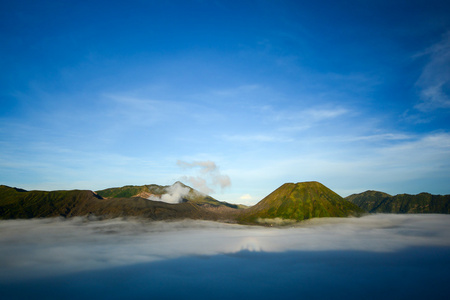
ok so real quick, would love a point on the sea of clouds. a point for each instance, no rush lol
(39, 253)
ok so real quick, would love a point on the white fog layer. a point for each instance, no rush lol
(46, 247)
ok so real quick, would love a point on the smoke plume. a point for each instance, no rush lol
(207, 176)
(175, 194)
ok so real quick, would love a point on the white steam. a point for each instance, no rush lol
(198, 183)
(207, 177)
(174, 194)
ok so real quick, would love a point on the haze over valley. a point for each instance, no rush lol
(134, 258)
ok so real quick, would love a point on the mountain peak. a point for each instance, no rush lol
(181, 184)
(300, 201)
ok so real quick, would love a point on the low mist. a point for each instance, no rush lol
(33, 250)
(57, 245)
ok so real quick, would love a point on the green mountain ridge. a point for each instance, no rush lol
(145, 191)
(379, 202)
(20, 204)
(291, 202)
(300, 201)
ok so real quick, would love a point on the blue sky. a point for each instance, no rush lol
(232, 97)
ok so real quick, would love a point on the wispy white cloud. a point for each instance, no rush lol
(422, 154)
(205, 166)
(392, 162)
(310, 114)
(145, 110)
(264, 138)
(246, 197)
(317, 114)
(50, 167)
(381, 137)
(238, 91)
(298, 119)
(434, 82)
(416, 117)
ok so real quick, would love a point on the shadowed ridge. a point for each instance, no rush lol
(379, 202)
(300, 201)
(16, 204)
(5, 188)
(368, 200)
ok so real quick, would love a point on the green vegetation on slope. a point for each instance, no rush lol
(17, 203)
(378, 202)
(157, 190)
(298, 202)
(123, 192)
(21, 204)
(291, 202)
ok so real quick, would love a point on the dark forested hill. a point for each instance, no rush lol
(378, 202)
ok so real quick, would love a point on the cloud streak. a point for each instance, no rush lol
(434, 82)
(260, 138)
(306, 117)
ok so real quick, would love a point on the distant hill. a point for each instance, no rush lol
(300, 201)
(368, 199)
(379, 202)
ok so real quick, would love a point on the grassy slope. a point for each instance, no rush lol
(15, 203)
(378, 202)
(300, 201)
(133, 191)
(122, 192)
(291, 201)
(22, 204)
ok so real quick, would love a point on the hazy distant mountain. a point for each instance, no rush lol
(300, 201)
(378, 202)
